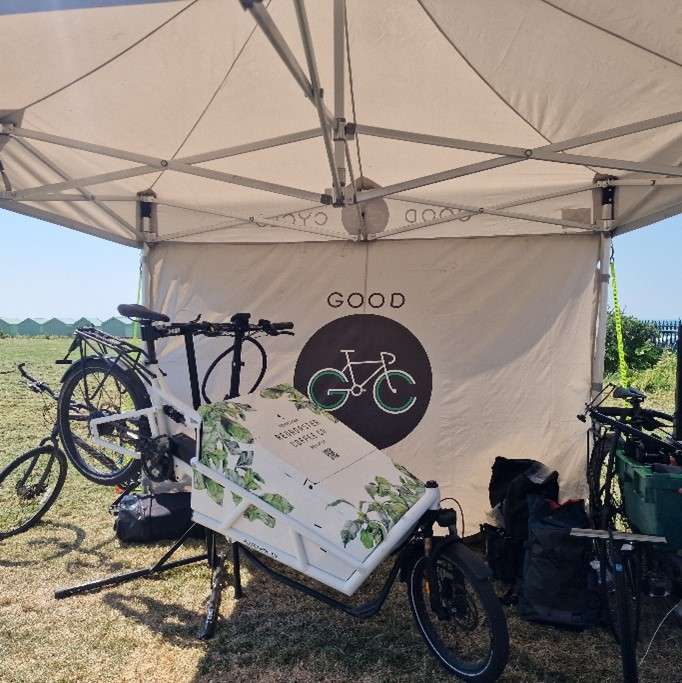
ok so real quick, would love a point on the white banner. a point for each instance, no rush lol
(446, 353)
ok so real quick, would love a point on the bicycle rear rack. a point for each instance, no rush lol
(91, 341)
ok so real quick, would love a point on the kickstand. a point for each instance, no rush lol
(162, 565)
(218, 581)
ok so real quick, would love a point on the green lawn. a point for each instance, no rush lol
(146, 630)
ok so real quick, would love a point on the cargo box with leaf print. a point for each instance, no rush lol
(282, 476)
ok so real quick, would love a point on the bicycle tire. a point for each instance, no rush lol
(320, 403)
(458, 603)
(6, 483)
(606, 507)
(630, 589)
(625, 630)
(72, 441)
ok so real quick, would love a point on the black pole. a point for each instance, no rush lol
(677, 434)
(192, 369)
(241, 323)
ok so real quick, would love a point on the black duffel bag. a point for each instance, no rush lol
(148, 518)
(558, 585)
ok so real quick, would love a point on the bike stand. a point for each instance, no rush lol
(218, 576)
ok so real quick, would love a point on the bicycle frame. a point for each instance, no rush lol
(357, 387)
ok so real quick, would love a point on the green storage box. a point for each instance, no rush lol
(652, 500)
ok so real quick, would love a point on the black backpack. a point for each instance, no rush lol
(558, 585)
(511, 482)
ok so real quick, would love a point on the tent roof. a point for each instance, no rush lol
(472, 118)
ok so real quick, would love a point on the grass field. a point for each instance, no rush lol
(145, 631)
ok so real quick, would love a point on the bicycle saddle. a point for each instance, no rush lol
(628, 393)
(135, 311)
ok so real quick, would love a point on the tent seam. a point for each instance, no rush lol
(488, 83)
(111, 59)
(611, 33)
(213, 96)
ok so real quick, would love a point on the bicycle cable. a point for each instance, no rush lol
(658, 628)
(461, 511)
(220, 356)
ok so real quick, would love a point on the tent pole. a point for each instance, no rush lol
(147, 224)
(604, 209)
(309, 50)
(339, 88)
(84, 192)
(602, 315)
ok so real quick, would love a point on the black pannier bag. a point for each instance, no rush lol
(500, 553)
(558, 585)
(148, 518)
(511, 482)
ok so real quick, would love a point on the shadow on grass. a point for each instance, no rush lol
(55, 542)
(274, 633)
(174, 622)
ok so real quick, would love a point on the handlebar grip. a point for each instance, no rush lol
(283, 326)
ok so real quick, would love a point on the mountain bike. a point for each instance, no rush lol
(330, 388)
(30, 484)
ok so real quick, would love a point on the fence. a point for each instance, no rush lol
(56, 327)
(666, 336)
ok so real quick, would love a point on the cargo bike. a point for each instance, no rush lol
(284, 481)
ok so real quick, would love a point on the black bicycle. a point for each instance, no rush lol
(31, 482)
(626, 561)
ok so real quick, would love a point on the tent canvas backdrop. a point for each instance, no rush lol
(509, 348)
(547, 125)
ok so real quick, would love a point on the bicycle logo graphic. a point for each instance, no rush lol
(330, 388)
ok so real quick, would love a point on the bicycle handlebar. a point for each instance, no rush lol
(35, 384)
(238, 323)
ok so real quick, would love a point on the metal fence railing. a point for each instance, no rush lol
(667, 330)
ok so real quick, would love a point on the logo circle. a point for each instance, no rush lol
(371, 372)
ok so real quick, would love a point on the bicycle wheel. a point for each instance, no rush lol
(98, 388)
(29, 485)
(606, 496)
(323, 389)
(466, 630)
(621, 587)
(392, 392)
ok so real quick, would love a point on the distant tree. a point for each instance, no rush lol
(639, 340)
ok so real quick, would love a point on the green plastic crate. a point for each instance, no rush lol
(653, 503)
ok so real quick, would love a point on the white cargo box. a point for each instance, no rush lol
(286, 479)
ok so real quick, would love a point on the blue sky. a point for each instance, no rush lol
(49, 271)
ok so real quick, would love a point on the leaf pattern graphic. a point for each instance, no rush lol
(389, 503)
(226, 448)
(299, 400)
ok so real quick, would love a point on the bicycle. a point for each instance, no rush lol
(117, 415)
(31, 483)
(449, 589)
(324, 390)
(621, 436)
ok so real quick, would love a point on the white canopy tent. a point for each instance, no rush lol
(311, 161)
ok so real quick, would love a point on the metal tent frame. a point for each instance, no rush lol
(336, 132)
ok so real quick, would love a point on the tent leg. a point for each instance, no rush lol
(602, 316)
